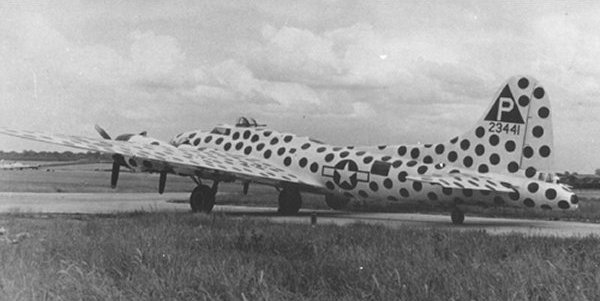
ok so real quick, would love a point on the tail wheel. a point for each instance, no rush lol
(202, 199)
(290, 201)
(457, 216)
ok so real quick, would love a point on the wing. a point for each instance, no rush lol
(458, 181)
(201, 162)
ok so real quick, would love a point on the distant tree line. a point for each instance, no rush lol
(29, 155)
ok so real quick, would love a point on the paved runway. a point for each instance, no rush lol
(126, 202)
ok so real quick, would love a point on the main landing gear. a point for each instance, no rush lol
(457, 216)
(202, 198)
(290, 201)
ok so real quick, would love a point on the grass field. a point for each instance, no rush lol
(160, 256)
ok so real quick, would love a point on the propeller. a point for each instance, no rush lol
(119, 160)
(102, 132)
(162, 181)
(246, 186)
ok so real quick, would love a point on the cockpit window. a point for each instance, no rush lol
(548, 177)
(221, 131)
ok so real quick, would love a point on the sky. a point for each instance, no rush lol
(344, 72)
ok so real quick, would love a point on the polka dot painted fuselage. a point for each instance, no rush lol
(377, 173)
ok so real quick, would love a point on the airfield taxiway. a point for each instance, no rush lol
(94, 203)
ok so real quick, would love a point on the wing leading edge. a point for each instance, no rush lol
(200, 161)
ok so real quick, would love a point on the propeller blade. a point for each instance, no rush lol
(246, 186)
(114, 176)
(161, 182)
(102, 132)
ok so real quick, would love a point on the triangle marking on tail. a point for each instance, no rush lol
(505, 108)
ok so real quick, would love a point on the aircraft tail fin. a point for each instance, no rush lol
(515, 132)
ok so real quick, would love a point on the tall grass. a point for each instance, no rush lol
(166, 256)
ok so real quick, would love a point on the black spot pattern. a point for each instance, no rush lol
(479, 132)
(513, 167)
(538, 92)
(533, 187)
(468, 161)
(545, 151)
(528, 152)
(563, 205)
(523, 101)
(439, 149)
(414, 153)
(452, 156)
(551, 194)
(494, 159)
(510, 146)
(464, 144)
(523, 83)
(494, 140)
(529, 202)
(537, 131)
(387, 183)
(543, 112)
(402, 150)
(417, 186)
(530, 172)
(374, 186)
(479, 150)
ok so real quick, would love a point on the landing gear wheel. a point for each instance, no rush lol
(335, 202)
(202, 199)
(457, 216)
(290, 202)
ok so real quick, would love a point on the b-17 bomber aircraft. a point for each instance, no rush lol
(504, 160)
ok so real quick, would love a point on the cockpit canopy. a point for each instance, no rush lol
(548, 177)
(246, 122)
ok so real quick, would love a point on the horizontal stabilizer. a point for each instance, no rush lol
(464, 182)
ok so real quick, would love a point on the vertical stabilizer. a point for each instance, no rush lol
(514, 133)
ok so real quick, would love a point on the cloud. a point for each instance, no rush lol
(155, 55)
(232, 81)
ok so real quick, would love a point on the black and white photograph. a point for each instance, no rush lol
(299, 150)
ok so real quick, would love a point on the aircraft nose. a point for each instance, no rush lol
(574, 199)
(571, 204)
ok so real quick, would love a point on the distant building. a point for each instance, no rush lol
(590, 181)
